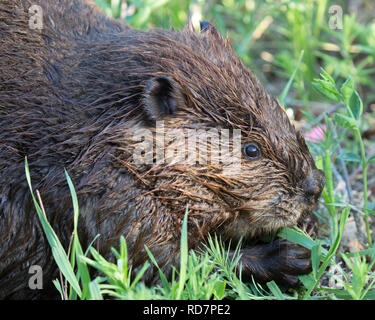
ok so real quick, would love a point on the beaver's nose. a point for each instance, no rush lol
(313, 185)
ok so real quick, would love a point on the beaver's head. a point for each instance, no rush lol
(199, 87)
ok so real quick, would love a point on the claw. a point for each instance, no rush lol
(280, 260)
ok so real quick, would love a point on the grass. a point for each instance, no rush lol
(324, 77)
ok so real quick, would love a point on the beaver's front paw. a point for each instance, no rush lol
(280, 260)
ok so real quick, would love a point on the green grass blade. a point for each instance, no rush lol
(298, 236)
(162, 275)
(58, 251)
(83, 271)
(289, 84)
(274, 288)
(57, 284)
(95, 290)
(183, 256)
(315, 258)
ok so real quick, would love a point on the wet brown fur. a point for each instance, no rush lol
(72, 95)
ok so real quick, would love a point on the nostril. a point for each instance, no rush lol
(310, 188)
(313, 185)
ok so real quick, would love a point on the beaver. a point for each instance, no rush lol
(74, 92)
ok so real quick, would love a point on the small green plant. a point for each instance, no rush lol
(118, 279)
(66, 267)
(360, 278)
(358, 285)
(350, 120)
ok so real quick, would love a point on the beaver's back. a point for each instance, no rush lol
(37, 110)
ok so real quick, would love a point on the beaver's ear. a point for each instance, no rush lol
(207, 27)
(162, 97)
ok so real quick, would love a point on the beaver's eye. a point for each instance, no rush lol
(251, 151)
